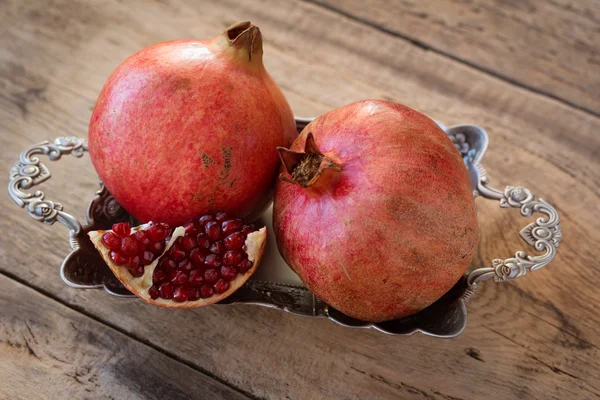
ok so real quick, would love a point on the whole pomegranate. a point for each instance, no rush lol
(374, 210)
(187, 127)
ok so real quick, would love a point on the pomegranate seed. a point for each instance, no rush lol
(122, 229)
(142, 238)
(248, 229)
(203, 241)
(245, 249)
(133, 262)
(206, 291)
(111, 241)
(189, 243)
(204, 219)
(211, 276)
(180, 295)
(221, 286)
(157, 232)
(177, 253)
(196, 278)
(153, 292)
(217, 247)
(213, 230)
(137, 272)
(180, 278)
(233, 257)
(147, 257)
(129, 246)
(157, 247)
(185, 265)
(117, 258)
(212, 261)
(232, 225)
(234, 241)
(167, 264)
(244, 266)
(197, 257)
(159, 276)
(191, 228)
(193, 294)
(228, 273)
(166, 290)
(221, 216)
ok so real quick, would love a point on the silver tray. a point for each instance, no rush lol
(274, 284)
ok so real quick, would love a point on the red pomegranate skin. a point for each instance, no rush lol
(392, 232)
(189, 127)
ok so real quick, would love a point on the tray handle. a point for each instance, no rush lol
(544, 234)
(29, 171)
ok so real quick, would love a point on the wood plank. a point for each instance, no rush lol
(537, 337)
(49, 351)
(550, 47)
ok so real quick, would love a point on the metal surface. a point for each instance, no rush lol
(276, 286)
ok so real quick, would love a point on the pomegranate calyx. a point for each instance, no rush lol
(245, 36)
(305, 168)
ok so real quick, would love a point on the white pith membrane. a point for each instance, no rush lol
(255, 246)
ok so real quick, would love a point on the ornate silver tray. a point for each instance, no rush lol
(274, 284)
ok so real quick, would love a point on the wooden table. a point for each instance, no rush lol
(527, 71)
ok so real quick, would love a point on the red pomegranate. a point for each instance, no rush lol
(186, 127)
(198, 264)
(374, 210)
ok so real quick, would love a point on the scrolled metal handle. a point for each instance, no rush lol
(544, 234)
(29, 171)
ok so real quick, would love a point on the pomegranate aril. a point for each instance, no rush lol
(157, 247)
(191, 228)
(197, 257)
(234, 241)
(211, 276)
(137, 272)
(142, 238)
(221, 286)
(189, 243)
(244, 266)
(203, 241)
(117, 258)
(157, 232)
(196, 278)
(165, 290)
(230, 226)
(180, 295)
(193, 294)
(221, 216)
(185, 265)
(206, 291)
(153, 292)
(167, 264)
(111, 241)
(212, 261)
(180, 278)
(217, 247)
(122, 229)
(228, 273)
(129, 246)
(177, 253)
(159, 276)
(233, 257)
(133, 262)
(213, 230)
(248, 229)
(204, 219)
(147, 257)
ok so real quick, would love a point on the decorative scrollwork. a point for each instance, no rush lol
(29, 171)
(544, 235)
(463, 146)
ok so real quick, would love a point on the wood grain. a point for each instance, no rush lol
(49, 351)
(550, 47)
(535, 338)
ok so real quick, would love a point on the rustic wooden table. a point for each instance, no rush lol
(528, 71)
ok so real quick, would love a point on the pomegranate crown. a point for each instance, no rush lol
(246, 36)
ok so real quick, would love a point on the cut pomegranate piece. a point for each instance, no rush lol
(197, 264)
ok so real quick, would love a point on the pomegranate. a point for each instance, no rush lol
(374, 210)
(197, 264)
(190, 127)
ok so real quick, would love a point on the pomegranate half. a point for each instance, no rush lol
(188, 127)
(374, 210)
(197, 264)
